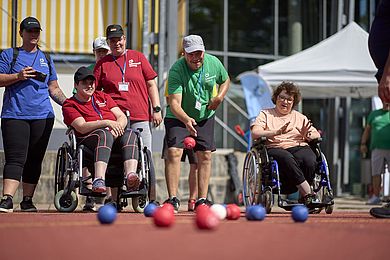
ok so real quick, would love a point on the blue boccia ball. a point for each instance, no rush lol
(248, 213)
(107, 214)
(257, 212)
(299, 213)
(150, 209)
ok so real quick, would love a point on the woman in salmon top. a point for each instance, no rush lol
(288, 133)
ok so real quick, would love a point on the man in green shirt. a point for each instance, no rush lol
(197, 85)
(377, 131)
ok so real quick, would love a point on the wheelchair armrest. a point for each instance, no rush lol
(315, 146)
(316, 141)
(259, 142)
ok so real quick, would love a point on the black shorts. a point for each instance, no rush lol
(176, 131)
(192, 158)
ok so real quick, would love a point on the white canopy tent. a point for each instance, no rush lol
(339, 66)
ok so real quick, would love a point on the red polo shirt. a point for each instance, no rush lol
(100, 109)
(109, 71)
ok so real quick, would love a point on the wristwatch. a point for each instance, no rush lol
(156, 109)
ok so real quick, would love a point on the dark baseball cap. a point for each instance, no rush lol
(30, 23)
(114, 30)
(83, 73)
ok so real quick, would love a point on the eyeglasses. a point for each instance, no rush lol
(284, 98)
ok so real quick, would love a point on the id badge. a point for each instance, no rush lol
(123, 86)
(198, 105)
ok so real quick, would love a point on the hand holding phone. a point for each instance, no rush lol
(40, 76)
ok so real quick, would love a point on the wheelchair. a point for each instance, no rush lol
(261, 180)
(69, 178)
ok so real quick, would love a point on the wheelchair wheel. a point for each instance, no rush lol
(329, 209)
(328, 196)
(62, 163)
(139, 203)
(249, 178)
(66, 202)
(267, 201)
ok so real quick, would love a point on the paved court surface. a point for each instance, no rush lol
(349, 233)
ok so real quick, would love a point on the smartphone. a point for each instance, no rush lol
(40, 76)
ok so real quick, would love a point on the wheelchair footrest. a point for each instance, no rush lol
(288, 204)
(93, 194)
(137, 193)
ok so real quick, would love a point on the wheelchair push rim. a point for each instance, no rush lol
(139, 203)
(250, 182)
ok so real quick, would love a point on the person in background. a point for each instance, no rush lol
(192, 159)
(128, 77)
(100, 49)
(27, 116)
(288, 134)
(197, 85)
(376, 134)
(192, 175)
(379, 46)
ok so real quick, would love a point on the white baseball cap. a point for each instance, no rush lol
(100, 43)
(193, 43)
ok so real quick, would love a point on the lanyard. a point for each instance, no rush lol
(124, 66)
(32, 65)
(199, 82)
(96, 109)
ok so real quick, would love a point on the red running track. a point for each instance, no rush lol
(52, 235)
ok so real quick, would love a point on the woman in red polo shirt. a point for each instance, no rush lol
(128, 77)
(99, 123)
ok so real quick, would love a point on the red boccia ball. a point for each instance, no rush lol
(233, 212)
(206, 219)
(189, 143)
(163, 217)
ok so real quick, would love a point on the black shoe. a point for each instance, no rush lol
(383, 212)
(203, 202)
(175, 202)
(27, 205)
(155, 202)
(89, 204)
(110, 201)
(6, 204)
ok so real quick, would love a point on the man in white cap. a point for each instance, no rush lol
(197, 85)
(100, 49)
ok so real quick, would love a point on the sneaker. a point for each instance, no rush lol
(155, 202)
(175, 202)
(383, 212)
(203, 202)
(6, 204)
(89, 204)
(27, 205)
(99, 186)
(374, 200)
(191, 204)
(132, 181)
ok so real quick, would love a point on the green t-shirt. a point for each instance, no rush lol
(200, 85)
(379, 121)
